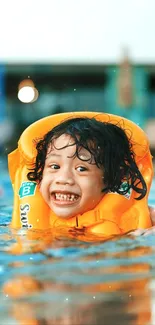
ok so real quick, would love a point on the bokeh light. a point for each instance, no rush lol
(27, 93)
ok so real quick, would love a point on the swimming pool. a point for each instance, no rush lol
(75, 282)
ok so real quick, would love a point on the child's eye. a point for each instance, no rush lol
(54, 166)
(81, 169)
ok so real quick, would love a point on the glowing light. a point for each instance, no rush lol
(36, 95)
(26, 94)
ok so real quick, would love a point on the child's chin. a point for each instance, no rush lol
(64, 214)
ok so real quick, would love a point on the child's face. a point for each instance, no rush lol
(69, 185)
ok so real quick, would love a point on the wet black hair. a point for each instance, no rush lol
(110, 148)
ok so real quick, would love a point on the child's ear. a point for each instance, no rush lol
(103, 182)
(39, 184)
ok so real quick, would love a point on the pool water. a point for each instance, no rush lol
(74, 282)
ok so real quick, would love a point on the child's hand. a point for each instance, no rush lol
(143, 232)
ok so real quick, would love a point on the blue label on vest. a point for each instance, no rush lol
(27, 189)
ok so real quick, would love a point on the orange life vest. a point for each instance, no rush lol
(115, 214)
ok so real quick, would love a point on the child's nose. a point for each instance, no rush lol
(65, 177)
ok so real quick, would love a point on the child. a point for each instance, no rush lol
(87, 174)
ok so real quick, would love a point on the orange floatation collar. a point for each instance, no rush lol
(115, 214)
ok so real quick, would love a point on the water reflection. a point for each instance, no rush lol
(73, 282)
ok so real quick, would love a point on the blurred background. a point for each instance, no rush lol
(86, 55)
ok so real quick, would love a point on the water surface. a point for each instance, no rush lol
(75, 282)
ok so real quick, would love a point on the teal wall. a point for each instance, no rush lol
(2, 94)
(138, 111)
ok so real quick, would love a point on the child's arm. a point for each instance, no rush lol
(152, 215)
(148, 231)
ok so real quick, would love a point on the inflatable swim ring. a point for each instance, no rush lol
(125, 213)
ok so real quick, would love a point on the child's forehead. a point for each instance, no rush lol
(66, 142)
(63, 140)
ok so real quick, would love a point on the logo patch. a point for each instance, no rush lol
(27, 189)
(124, 187)
(24, 210)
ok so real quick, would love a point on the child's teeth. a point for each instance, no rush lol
(65, 197)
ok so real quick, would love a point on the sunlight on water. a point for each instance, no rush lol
(75, 282)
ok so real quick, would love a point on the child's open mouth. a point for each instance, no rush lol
(64, 197)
